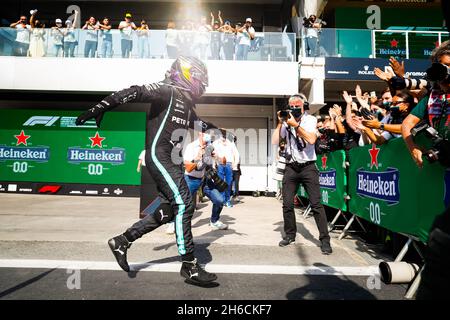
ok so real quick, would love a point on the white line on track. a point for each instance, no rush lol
(175, 267)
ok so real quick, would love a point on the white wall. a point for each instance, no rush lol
(234, 78)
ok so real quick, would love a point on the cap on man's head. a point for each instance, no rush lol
(58, 21)
(128, 15)
(248, 20)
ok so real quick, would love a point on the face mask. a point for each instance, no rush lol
(387, 105)
(296, 112)
(207, 138)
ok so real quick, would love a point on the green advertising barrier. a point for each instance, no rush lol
(47, 146)
(388, 189)
(332, 179)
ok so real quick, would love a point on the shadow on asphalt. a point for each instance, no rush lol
(25, 283)
(328, 287)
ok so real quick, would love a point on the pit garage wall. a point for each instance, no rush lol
(226, 78)
(252, 124)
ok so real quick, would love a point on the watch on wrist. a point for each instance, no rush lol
(382, 126)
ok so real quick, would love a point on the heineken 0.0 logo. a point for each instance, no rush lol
(22, 154)
(96, 157)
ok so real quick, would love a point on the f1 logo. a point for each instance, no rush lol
(49, 189)
(48, 121)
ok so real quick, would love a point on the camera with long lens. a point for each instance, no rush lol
(438, 72)
(210, 172)
(212, 175)
(307, 22)
(284, 115)
(280, 169)
(437, 147)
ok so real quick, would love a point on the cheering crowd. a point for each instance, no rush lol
(206, 39)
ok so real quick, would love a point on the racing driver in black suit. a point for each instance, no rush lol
(172, 107)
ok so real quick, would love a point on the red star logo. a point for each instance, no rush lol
(324, 162)
(22, 138)
(374, 156)
(394, 43)
(96, 140)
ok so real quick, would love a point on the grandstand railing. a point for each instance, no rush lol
(400, 42)
(267, 46)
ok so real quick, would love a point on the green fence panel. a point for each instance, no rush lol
(47, 146)
(388, 189)
(332, 179)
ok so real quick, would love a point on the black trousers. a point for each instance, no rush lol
(176, 203)
(309, 177)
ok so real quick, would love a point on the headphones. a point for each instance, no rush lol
(302, 97)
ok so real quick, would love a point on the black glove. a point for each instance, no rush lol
(95, 112)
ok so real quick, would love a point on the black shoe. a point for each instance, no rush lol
(194, 273)
(286, 241)
(326, 247)
(119, 246)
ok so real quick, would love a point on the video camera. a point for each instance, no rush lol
(440, 147)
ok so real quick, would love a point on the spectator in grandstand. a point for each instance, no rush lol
(143, 33)
(312, 28)
(126, 28)
(216, 36)
(187, 38)
(105, 31)
(70, 39)
(57, 33)
(37, 41)
(229, 40)
(23, 31)
(247, 33)
(202, 38)
(171, 40)
(90, 45)
(434, 108)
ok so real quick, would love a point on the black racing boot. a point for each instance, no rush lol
(195, 274)
(119, 246)
(325, 247)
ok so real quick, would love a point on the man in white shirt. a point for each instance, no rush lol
(228, 158)
(22, 36)
(248, 34)
(126, 28)
(197, 158)
(298, 128)
(312, 28)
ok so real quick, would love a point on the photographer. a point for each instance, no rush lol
(299, 129)
(312, 35)
(247, 34)
(434, 108)
(198, 158)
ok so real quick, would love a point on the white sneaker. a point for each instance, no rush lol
(218, 225)
(170, 228)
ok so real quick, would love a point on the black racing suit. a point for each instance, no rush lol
(171, 109)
